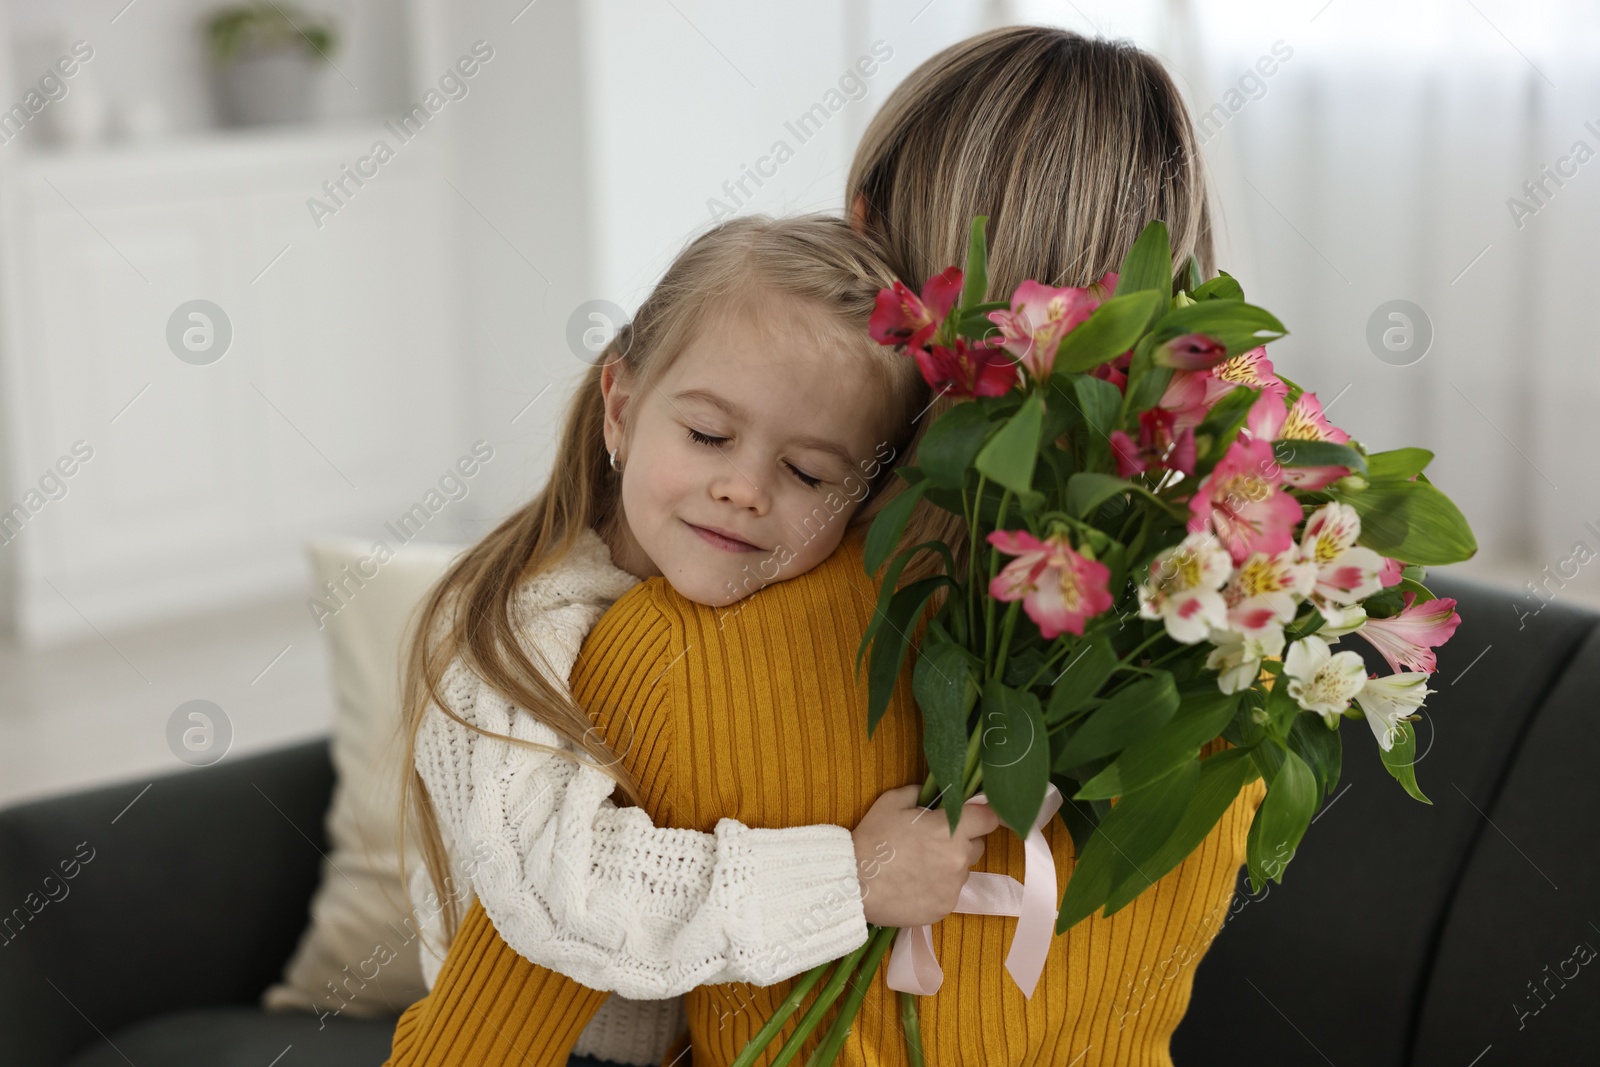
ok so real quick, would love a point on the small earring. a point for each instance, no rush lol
(614, 464)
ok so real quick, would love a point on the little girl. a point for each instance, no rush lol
(726, 440)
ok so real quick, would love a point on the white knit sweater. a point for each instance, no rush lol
(599, 893)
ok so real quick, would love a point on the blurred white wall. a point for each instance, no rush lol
(1365, 152)
(1377, 160)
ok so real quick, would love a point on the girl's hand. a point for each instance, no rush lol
(911, 867)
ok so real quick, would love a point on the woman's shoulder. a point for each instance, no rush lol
(827, 590)
(653, 614)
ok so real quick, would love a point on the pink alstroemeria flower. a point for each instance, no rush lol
(1243, 503)
(1252, 369)
(971, 368)
(1059, 589)
(1191, 394)
(1039, 317)
(1115, 371)
(1186, 399)
(1393, 571)
(1191, 352)
(900, 318)
(1407, 640)
(1159, 447)
(1302, 421)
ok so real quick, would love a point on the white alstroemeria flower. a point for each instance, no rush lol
(1238, 657)
(1341, 620)
(1385, 701)
(1182, 590)
(1322, 681)
(1346, 572)
(1264, 593)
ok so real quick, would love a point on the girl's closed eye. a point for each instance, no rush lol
(706, 439)
(809, 481)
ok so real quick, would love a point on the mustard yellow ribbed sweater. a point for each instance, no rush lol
(755, 713)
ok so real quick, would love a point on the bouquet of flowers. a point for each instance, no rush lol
(1167, 541)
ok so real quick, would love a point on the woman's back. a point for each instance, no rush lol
(755, 713)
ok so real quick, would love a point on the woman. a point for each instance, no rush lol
(1070, 146)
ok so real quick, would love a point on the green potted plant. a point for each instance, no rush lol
(266, 58)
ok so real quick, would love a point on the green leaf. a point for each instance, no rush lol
(951, 444)
(1137, 709)
(1082, 817)
(890, 523)
(1139, 840)
(1233, 323)
(974, 322)
(889, 647)
(1109, 331)
(1100, 403)
(1148, 264)
(1200, 717)
(1015, 751)
(887, 589)
(1146, 381)
(1087, 490)
(1222, 422)
(1009, 456)
(1088, 667)
(1422, 592)
(1282, 819)
(1412, 522)
(940, 682)
(975, 281)
(1138, 825)
(1282, 710)
(1321, 748)
(1400, 464)
(1191, 274)
(1318, 454)
(1222, 287)
(1090, 881)
(1222, 775)
(1401, 761)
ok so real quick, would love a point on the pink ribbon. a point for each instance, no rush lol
(914, 966)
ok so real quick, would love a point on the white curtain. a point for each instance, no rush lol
(1375, 162)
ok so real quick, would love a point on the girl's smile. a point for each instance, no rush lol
(723, 539)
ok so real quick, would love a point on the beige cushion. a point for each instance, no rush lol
(358, 957)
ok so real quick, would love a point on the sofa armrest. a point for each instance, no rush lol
(129, 901)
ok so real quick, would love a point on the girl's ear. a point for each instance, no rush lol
(616, 389)
(858, 214)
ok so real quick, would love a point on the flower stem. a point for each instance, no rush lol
(972, 515)
(1005, 640)
(828, 1051)
(1054, 658)
(824, 1001)
(994, 568)
(1152, 639)
(911, 1024)
(758, 1044)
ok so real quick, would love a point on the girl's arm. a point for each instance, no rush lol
(600, 893)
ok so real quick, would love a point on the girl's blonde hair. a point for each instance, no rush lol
(1069, 144)
(817, 261)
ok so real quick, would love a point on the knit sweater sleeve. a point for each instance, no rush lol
(600, 893)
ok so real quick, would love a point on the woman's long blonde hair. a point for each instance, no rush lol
(815, 260)
(1069, 144)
